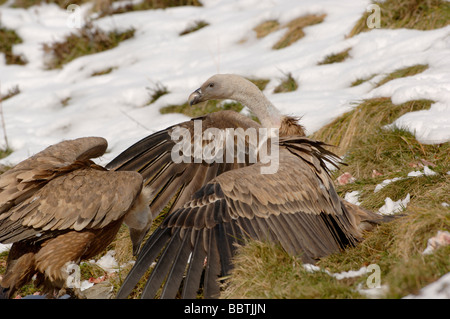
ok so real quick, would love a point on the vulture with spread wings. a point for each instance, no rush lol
(216, 205)
(58, 207)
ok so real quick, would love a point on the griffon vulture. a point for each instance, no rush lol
(218, 204)
(58, 207)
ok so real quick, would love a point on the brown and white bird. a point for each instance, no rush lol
(223, 203)
(58, 207)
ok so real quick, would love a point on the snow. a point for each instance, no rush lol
(439, 289)
(391, 207)
(353, 197)
(4, 247)
(114, 105)
(442, 238)
(108, 262)
(385, 182)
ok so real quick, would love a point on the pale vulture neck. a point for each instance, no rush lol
(249, 95)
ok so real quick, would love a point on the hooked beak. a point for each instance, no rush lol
(136, 237)
(195, 97)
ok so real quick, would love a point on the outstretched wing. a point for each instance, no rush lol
(86, 198)
(296, 207)
(24, 179)
(176, 182)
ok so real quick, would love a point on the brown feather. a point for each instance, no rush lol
(58, 207)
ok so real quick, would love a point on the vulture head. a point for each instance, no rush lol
(235, 87)
(218, 86)
(138, 219)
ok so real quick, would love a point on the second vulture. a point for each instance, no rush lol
(216, 205)
(58, 207)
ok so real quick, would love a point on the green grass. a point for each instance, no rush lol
(8, 38)
(4, 153)
(365, 120)
(88, 40)
(362, 80)
(411, 14)
(265, 270)
(287, 84)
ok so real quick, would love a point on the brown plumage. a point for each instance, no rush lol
(220, 204)
(59, 207)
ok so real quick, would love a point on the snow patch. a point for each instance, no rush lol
(391, 207)
(353, 197)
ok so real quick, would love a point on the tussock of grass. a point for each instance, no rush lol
(295, 29)
(335, 58)
(265, 270)
(363, 119)
(411, 14)
(103, 72)
(11, 92)
(260, 83)
(287, 84)
(404, 72)
(362, 80)
(88, 40)
(266, 27)
(8, 38)
(155, 4)
(197, 25)
(61, 3)
(156, 92)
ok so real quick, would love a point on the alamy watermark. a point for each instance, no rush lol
(374, 279)
(374, 19)
(214, 145)
(73, 275)
(75, 18)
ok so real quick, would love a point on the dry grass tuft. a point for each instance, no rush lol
(411, 14)
(295, 29)
(266, 28)
(363, 119)
(335, 58)
(88, 40)
(287, 84)
(8, 38)
(362, 80)
(156, 92)
(151, 5)
(404, 72)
